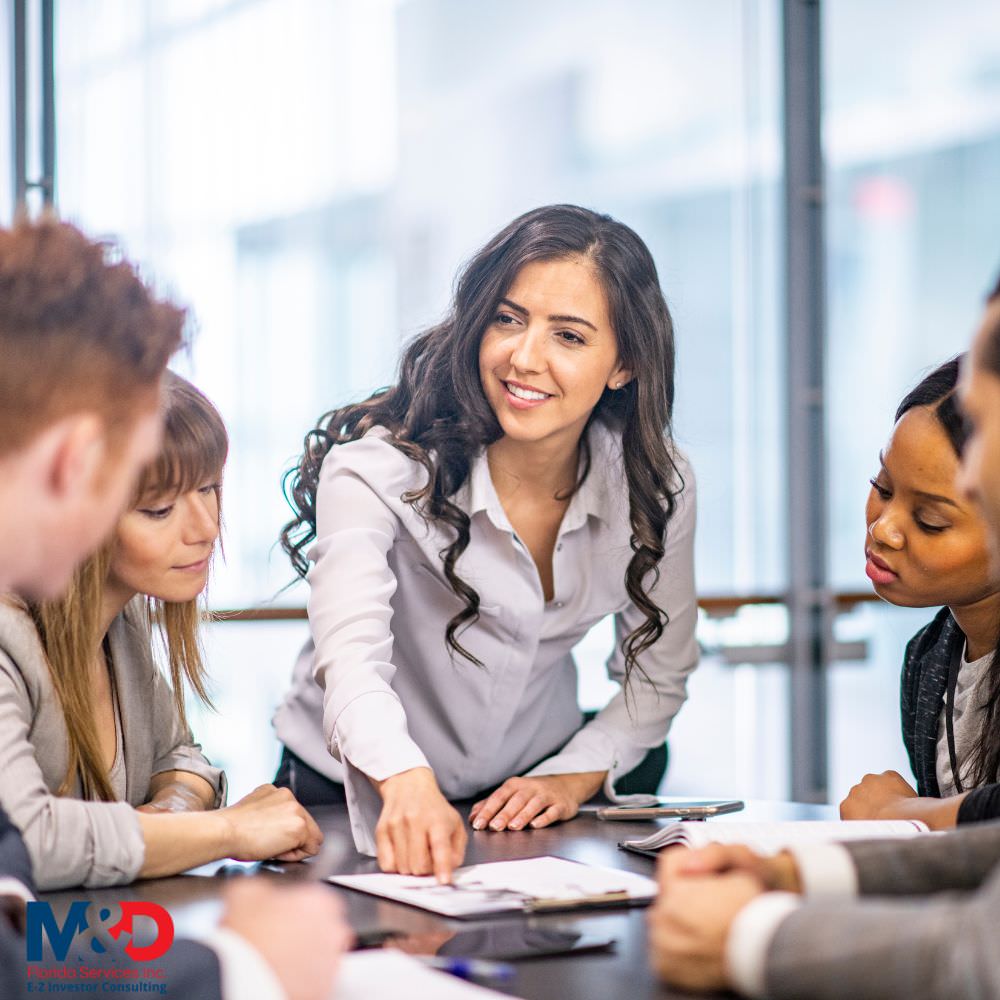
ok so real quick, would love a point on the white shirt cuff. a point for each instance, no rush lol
(750, 937)
(371, 733)
(244, 971)
(825, 871)
(591, 749)
(372, 741)
(13, 887)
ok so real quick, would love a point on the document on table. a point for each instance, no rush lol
(390, 975)
(529, 886)
(770, 838)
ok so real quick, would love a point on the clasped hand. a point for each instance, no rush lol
(701, 894)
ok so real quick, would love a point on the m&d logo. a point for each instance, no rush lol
(42, 924)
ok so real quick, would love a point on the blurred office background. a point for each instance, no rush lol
(309, 174)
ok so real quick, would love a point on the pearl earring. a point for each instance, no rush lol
(618, 385)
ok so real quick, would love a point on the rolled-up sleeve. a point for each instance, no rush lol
(638, 717)
(71, 842)
(174, 745)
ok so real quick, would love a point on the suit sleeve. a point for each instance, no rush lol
(13, 980)
(192, 971)
(927, 864)
(14, 860)
(912, 949)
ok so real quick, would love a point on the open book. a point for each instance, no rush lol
(533, 885)
(770, 838)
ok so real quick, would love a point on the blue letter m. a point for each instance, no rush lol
(41, 917)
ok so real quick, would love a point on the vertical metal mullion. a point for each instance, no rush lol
(47, 182)
(810, 602)
(19, 93)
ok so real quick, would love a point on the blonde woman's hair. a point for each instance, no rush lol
(193, 453)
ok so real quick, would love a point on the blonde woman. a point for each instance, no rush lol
(98, 767)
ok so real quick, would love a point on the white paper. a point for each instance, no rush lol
(501, 886)
(390, 975)
(770, 838)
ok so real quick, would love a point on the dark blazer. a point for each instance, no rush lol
(922, 691)
(191, 969)
(922, 694)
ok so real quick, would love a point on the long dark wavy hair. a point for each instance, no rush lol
(437, 413)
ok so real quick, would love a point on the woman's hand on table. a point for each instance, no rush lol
(535, 802)
(270, 823)
(890, 796)
(418, 832)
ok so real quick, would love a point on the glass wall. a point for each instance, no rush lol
(912, 145)
(309, 174)
(6, 117)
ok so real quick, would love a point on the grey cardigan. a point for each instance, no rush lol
(931, 934)
(71, 841)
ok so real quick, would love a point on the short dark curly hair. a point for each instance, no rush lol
(79, 330)
(989, 346)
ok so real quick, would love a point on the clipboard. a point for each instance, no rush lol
(531, 885)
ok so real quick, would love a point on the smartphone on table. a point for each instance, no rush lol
(671, 810)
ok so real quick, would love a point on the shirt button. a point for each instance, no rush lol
(559, 604)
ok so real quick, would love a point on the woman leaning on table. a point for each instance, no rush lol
(467, 526)
(927, 546)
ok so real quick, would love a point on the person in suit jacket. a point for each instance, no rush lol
(93, 739)
(926, 546)
(84, 345)
(929, 930)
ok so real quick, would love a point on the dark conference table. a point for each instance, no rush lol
(194, 901)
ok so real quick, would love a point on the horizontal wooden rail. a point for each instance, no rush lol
(717, 606)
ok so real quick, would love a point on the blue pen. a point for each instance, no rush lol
(470, 968)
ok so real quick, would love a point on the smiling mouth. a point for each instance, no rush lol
(194, 567)
(523, 392)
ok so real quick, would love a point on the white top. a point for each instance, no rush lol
(378, 688)
(967, 725)
(243, 971)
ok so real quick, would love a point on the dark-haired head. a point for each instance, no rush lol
(987, 351)
(938, 391)
(439, 415)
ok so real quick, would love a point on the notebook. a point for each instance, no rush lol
(532, 885)
(770, 838)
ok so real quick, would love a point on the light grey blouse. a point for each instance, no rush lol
(377, 692)
(72, 841)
